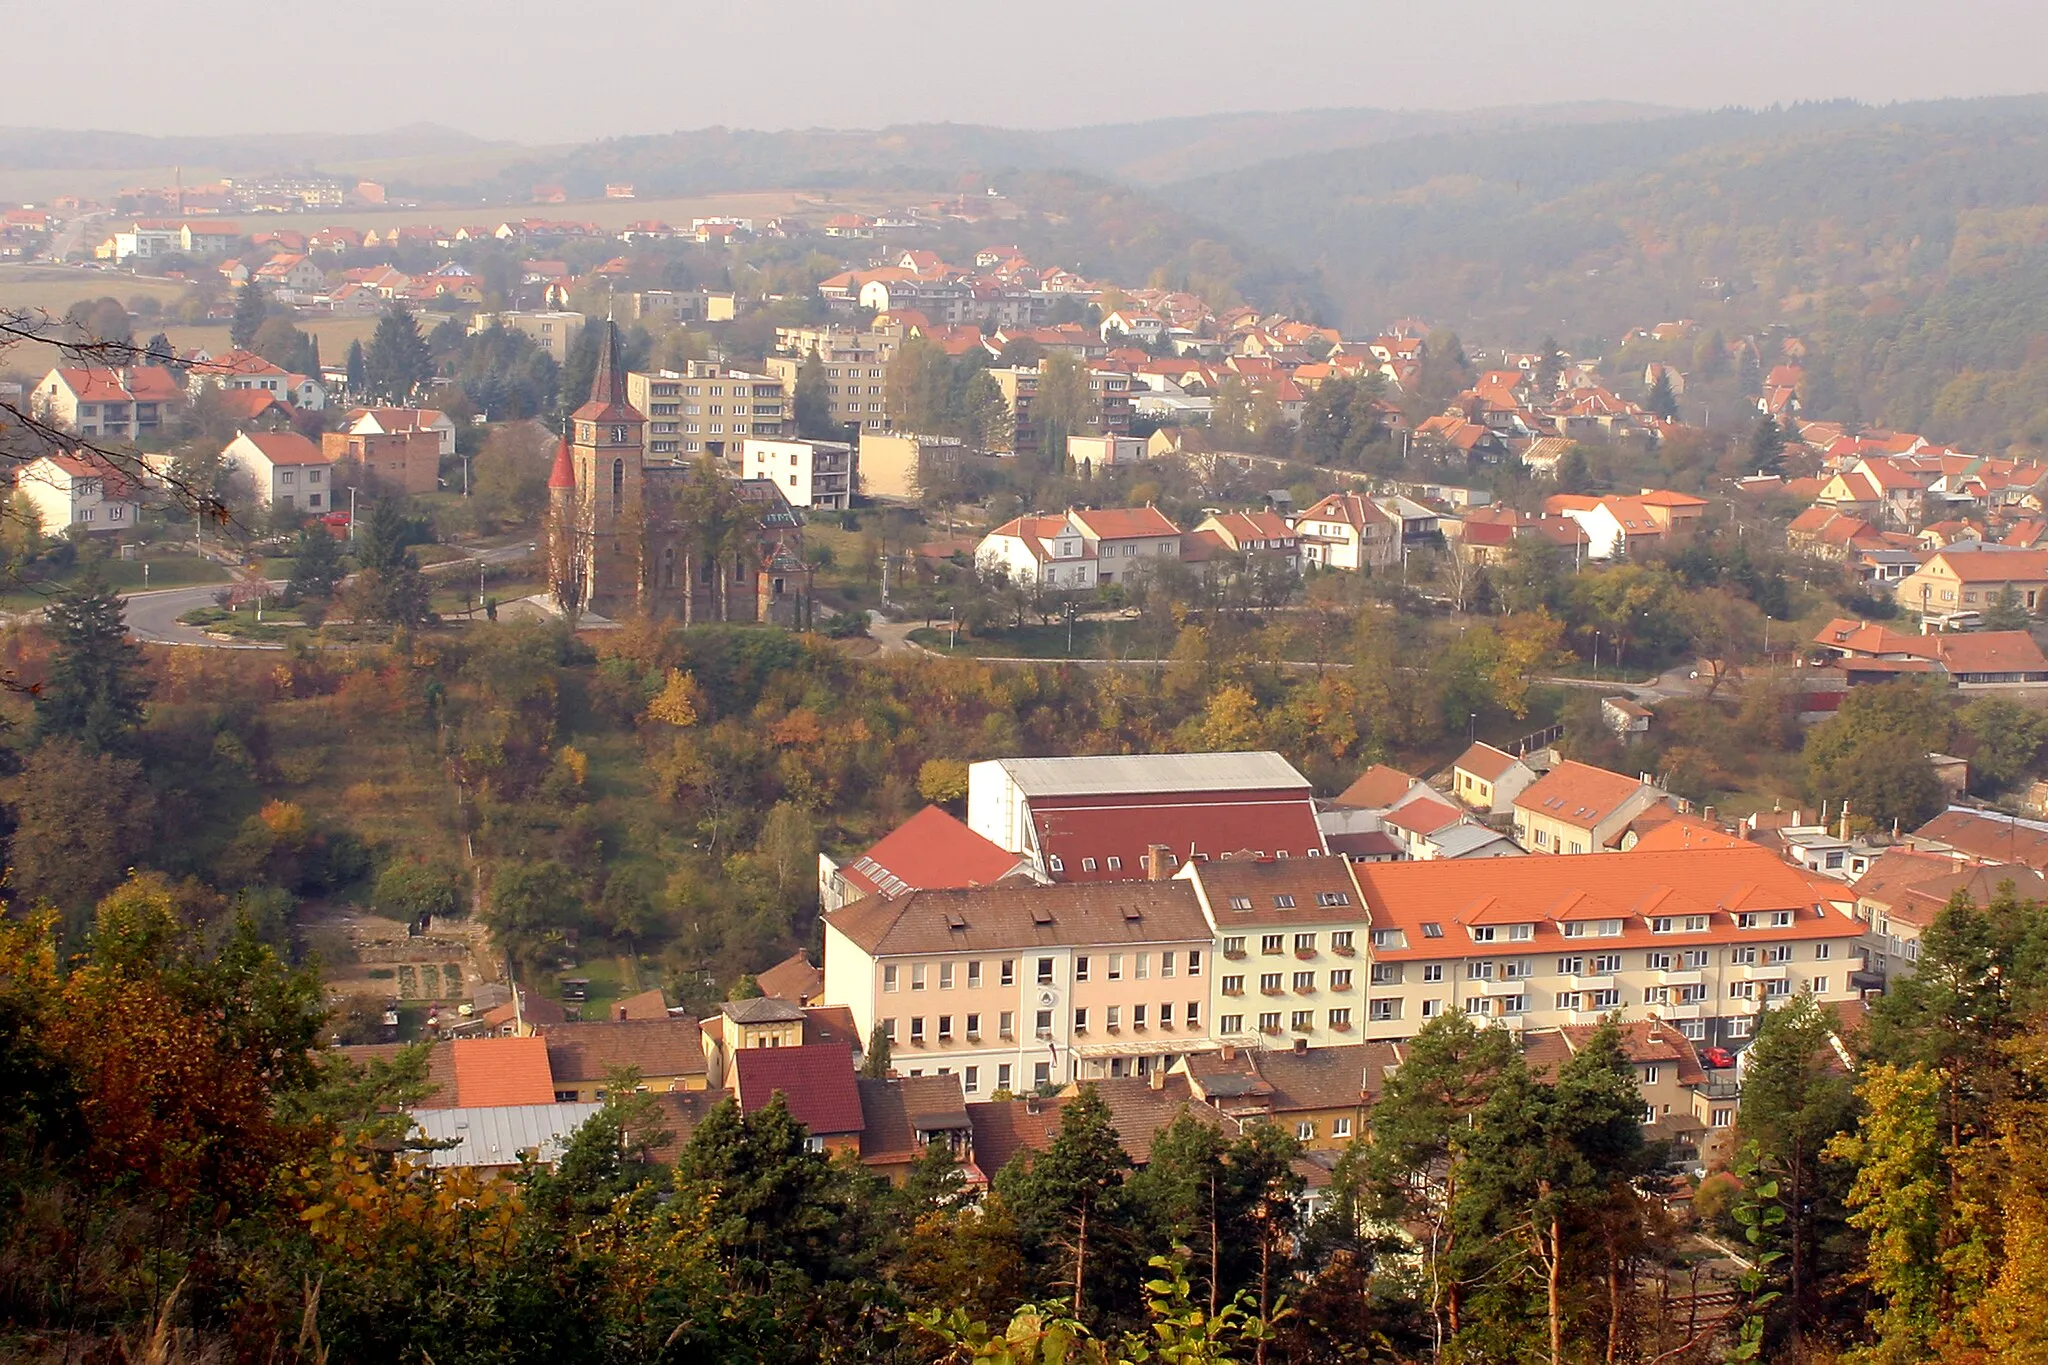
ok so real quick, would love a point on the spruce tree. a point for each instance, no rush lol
(397, 360)
(358, 369)
(95, 690)
(250, 310)
(1767, 447)
(316, 565)
(1663, 402)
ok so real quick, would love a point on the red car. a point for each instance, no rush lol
(1716, 1057)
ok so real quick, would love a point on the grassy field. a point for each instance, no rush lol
(607, 213)
(1090, 641)
(53, 288)
(333, 334)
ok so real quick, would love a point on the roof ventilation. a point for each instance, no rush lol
(1041, 914)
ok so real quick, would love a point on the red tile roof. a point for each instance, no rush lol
(931, 850)
(1485, 762)
(1577, 794)
(1125, 523)
(816, 1081)
(285, 447)
(1076, 829)
(494, 1071)
(1423, 815)
(1375, 789)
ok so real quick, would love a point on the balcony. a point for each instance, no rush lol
(1762, 971)
(1681, 1011)
(1593, 983)
(1691, 976)
(1234, 954)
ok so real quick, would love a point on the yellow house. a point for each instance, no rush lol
(583, 1056)
(1322, 1096)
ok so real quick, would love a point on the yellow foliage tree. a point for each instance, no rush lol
(1529, 644)
(286, 820)
(677, 702)
(940, 780)
(1231, 721)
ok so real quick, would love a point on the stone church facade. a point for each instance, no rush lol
(629, 537)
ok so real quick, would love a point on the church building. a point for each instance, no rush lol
(627, 536)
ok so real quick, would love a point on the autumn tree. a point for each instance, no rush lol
(82, 818)
(1873, 751)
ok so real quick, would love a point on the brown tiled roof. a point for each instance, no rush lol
(1896, 872)
(1485, 762)
(1136, 1111)
(1642, 1040)
(440, 1068)
(1921, 903)
(656, 1048)
(649, 1004)
(1996, 839)
(894, 1111)
(537, 1010)
(1276, 891)
(1375, 789)
(1327, 1077)
(832, 1024)
(1577, 794)
(793, 979)
(1019, 916)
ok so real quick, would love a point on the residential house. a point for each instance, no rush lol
(1488, 780)
(552, 330)
(710, 409)
(795, 979)
(1116, 816)
(667, 1054)
(1972, 579)
(79, 489)
(283, 466)
(902, 1116)
(1614, 524)
(290, 277)
(1625, 716)
(247, 370)
(1253, 536)
(1289, 963)
(1577, 808)
(1088, 455)
(1987, 836)
(931, 851)
(1324, 1096)
(1348, 531)
(741, 1026)
(400, 421)
(1021, 986)
(1971, 659)
(406, 460)
(128, 403)
(1038, 552)
(1126, 542)
(816, 1082)
(1702, 938)
(1904, 890)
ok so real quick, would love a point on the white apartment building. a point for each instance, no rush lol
(1702, 938)
(809, 473)
(1348, 531)
(1038, 551)
(1018, 986)
(1126, 541)
(706, 409)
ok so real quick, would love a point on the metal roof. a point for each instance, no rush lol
(496, 1136)
(1140, 773)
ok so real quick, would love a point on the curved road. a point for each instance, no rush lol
(153, 617)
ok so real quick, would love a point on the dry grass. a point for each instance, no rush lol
(333, 334)
(54, 289)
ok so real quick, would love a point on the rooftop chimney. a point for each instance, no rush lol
(1158, 1074)
(619, 1013)
(1155, 862)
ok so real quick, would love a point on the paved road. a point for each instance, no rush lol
(153, 617)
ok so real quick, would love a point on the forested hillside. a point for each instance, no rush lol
(1904, 243)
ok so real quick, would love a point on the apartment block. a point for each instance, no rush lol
(808, 473)
(706, 409)
(1702, 938)
(1017, 987)
(553, 330)
(1291, 966)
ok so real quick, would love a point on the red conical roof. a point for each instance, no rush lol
(564, 473)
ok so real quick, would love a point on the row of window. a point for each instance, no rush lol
(1591, 928)
(1272, 944)
(1608, 998)
(1141, 1016)
(1298, 1021)
(969, 973)
(1601, 964)
(1303, 982)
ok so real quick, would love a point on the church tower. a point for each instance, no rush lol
(607, 450)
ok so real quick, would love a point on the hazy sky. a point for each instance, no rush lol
(570, 69)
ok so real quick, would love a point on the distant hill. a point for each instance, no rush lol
(949, 155)
(1908, 243)
(24, 149)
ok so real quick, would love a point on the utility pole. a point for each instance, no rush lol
(351, 516)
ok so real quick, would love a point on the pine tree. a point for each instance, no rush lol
(874, 1063)
(1767, 447)
(358, 369)
(1549, 366)
(1662, 402)
(95, 691)
(316, 565)
(1070, 1200)
(250, 311)
(397, 360)
(812, 404)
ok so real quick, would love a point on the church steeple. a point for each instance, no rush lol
(607, 402)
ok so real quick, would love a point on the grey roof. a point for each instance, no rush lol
(1128, 773)
(496, 1136)
(762, 1010)
(1459, 840)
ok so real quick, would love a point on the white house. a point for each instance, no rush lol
(1103, 452)
(1348, 531)
(247, 370)
(809, 473)
(78, 489)
(1134, 323)
(283, 466)
(1047, 552)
